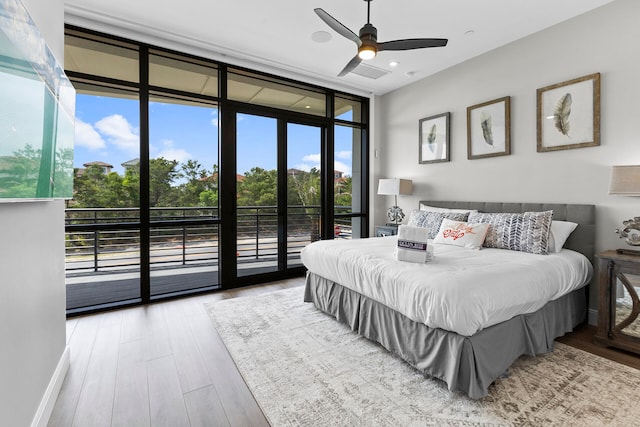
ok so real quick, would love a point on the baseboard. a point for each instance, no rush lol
(51, 393)
(592, 317)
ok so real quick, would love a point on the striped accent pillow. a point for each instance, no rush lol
(524, 232)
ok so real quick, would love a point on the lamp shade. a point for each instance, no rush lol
(625, 180)
(395, 186)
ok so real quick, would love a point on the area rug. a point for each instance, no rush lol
(306, 369)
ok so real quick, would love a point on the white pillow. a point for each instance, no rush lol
(445, 210)
(463, 234)
(560, 232)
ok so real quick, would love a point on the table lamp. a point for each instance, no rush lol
(625, 181)
(395, 186)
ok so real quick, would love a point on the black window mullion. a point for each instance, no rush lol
(327, 181)
(364, 191)
(227, 200)
(145, 215)
(282, 195)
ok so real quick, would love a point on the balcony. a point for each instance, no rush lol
(102, 257)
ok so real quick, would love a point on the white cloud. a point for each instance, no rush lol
(345, 155)
(315, 158)
(342, 167)
(87, 136)
(171, 153)
(313, 161)
(214, 118)
(119, 132)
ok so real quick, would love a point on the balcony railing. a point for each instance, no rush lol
(108, 240)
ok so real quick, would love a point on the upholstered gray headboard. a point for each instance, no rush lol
(581, 240)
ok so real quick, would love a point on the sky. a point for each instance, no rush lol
(107, 130)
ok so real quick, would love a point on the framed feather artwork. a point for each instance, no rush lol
(434, 139)
(489, 129)
(569, 114)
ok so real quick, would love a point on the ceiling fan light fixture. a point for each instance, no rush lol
(367, 52)
(367, 40)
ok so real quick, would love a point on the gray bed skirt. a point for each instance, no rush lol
(467, 364)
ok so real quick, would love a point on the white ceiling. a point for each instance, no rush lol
(275, 35)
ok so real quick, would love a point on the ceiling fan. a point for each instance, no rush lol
(368, 45)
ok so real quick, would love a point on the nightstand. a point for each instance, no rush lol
(618, 302)
(386, 230)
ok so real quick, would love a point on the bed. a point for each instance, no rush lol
(468, 356)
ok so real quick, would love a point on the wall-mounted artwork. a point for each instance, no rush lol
(569, 114)
(434, 139)
(489, 129)
(36, 113)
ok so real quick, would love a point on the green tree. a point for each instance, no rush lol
(89, 188)
(342, 192)
(131, 186)
(209, 196)
(189, 192)
(162, 173)
(304, 188)
(259, 188)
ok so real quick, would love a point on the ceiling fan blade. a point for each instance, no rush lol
(407, 44)
(350, 66)
(337, 26)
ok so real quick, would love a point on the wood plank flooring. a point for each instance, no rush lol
(159, 365)
(165, 365)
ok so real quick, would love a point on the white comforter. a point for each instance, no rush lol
(460, 290)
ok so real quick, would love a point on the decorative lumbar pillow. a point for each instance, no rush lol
(465, 234)
(432, 220)
(445, 210)
(412, 244)
(560, 232)
(525, 232)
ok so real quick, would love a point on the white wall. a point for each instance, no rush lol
(49, 18)
(33, 358)
(604, 40)
(32, 305)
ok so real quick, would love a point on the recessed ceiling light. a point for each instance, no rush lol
(410, 73)
(469, 32)
(320, 37)
(307, 106)
(393, 63)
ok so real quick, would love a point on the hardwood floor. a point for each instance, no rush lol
(582, 338)
(165, 365)
(159, 365)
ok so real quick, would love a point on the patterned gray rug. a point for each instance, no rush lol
(306, 369)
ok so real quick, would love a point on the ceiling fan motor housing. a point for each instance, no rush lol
(369, 38)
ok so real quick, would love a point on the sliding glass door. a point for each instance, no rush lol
(183, 195)
(193, 175)
(277, 192)
(303, 188)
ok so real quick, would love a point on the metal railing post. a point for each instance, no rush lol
(184, 245)
(257, 233)
(95, 250)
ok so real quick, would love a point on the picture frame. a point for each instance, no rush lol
(434, 131)
(489, 129)
(569, 114)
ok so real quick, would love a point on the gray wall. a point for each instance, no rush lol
(604, 40)
(32, 289)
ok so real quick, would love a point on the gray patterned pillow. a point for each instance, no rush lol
(525, 232)
(432, 220)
